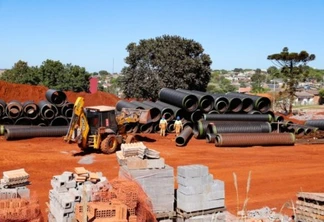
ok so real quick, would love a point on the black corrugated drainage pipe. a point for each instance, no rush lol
(124, 104)
(177, 111)
(241, 127)
(5, 120)
(278, 127)
(213, 112)
(30, 132)
(170, 127)
(186, 123)
(237, 117)
(165, 111)
(296, 129)
(67, 109)
(47, 110)
(319, 123)
(40, 122)
(263, 104)
(156, 127)
(279, 118)
(60, 121)
(155, 113)
(188, 102)
(30, 109)
(194, 116)
(210, 138)
(254, 112)
(2, 107)
(4, 127)
(254, 139)
(56, 97)
(184, 136)
(235, 104)
(221, 103)
(24, 121)
(205, 101)
(146, 128)
(14, 109)
(199, 129)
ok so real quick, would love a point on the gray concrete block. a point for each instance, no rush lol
(8, 193)
(58, 183)
(195, 181)
(167, 171)
(190, 190)
(213, 204)
(160, 190)
(195, 170)
(220, 194)
(163, 207)
(190, 198)
(70, 184)
(156, 163)
(23, 192)
(76, 194)
(67, 176)
(189, 206)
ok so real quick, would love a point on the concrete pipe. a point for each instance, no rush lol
(237, 117)
(184, 136)
(30, 109)
(188, 102)
(165, 111)
(60, 121)
(177, 111)
(319, 123)
(205, 101)
(14, 109)
(254, 139)
(31, 132)
(263, 104)
(24, 121)
(47, 110)
(221, 103)
(2, 108)
(67, 109)
(155, 113)
(57, 97)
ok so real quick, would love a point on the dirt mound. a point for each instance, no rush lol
(22, 93)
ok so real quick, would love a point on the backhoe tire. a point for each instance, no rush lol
(130, 139)
(109, 145)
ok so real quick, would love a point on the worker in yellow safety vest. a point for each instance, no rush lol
(178, 127)
(163, 125)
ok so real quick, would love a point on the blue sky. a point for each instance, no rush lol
(94, 34)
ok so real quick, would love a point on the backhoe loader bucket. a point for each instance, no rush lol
(130, 115)
(145, 117)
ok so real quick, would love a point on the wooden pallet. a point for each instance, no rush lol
(165, 215)
(186, 215)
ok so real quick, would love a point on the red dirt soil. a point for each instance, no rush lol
(277, 173)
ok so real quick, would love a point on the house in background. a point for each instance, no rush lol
(304, 98)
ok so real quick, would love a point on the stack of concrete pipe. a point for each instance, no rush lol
(53, 113)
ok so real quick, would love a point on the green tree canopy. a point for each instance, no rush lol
(292, 67)
(257, 80)
(167, 61)
(219, 84)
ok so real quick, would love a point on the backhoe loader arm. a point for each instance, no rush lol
(78, 122)
(128, 115)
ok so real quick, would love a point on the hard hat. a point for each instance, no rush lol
(178, 118)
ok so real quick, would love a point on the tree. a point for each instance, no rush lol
(292, 67)
(167, 61)
(219, 84)
(51, 73)
(257, 80)
(104, 73)
(321, 96)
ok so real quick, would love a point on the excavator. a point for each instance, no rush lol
(102, 127)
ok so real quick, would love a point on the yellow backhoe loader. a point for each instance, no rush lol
(101, 127)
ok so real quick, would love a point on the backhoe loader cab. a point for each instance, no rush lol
(101, 116)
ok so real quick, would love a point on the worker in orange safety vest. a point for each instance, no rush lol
(163, 125)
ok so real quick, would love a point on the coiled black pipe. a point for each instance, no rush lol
(14, 109)
(67, 109)
(30, 109)
(124, 104)
(5, 120)
(235, 104)
(319, 123)
(241, 127)
(263, 104)
(194, 116)
(184, 136)
(2, 107)
(60, 121)
(165, 111)
(210, 138)
(221, 103)
(146, 128)
(56, 97)
(205, 101)
(24, 133)
(188, 102)
(47, 110)
(177, 111)
(237, 117)
(155, 113)
(170, 126)
(24, 121)
(254, 139)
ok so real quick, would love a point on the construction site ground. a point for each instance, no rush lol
(277, 173)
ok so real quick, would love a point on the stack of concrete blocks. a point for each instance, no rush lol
(158, 184)
(198, 191)
(68, 189)
(14, 184)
